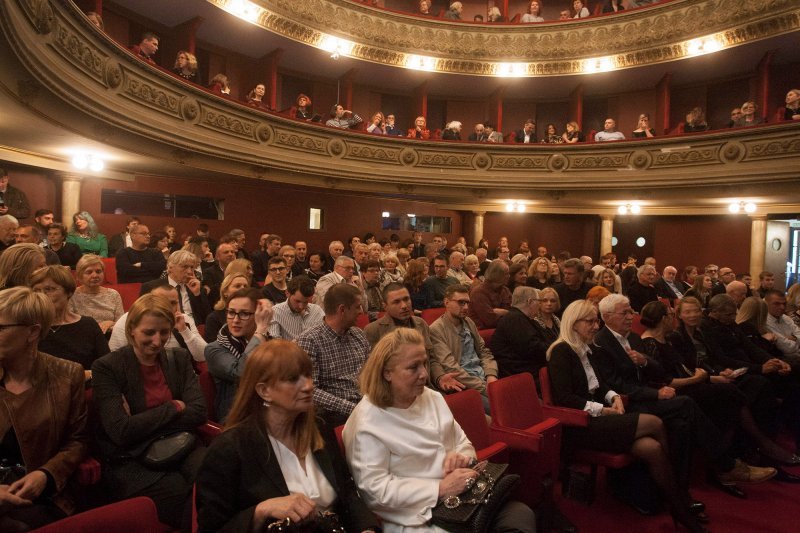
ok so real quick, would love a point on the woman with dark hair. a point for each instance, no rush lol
(142, 393)
(72, 336)
(687, 278)
(248, 316)
(86, 236)
(377, 124)
(723, 402)
(160, 241)
(643, 128)
(701, 289)
(68, 253)
(316, 266)
(271, 463)
(186, 66)
(695, 121)
(43, 418)
(539, 273)
(572, 134)
(551, 136)
(216, 319)
(18, 262)
(414, 280)
(517, 276)
(255, 98)
(533, 13)
(579, 10)
(613, 6)
(302, 108)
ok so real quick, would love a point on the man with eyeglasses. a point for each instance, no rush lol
(712, 271)
(275, 290)
(192, 295)
(461, 359)
(139, 263)
(437, 284)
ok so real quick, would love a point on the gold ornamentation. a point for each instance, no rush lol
(687, 157)
(41, 14)
(558, 163)
(336, 147)
(145, 91)
(430, 158)
(520, 162)
(303, 142)
(78, 52)
(370, 153)
(189, 109)
(408, 157)
(599, 161)
(777, 148)
(263, 133)
(640, 159)
(217, 119)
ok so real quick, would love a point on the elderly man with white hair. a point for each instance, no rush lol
(192, 296)
(8, 225)
(643, 290)
(738, 291)
(456, 263)
(667, 287)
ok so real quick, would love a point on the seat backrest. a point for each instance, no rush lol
(362, 321)
(431, 315)
(636, 325)
(467, 409)
(128, 516)
(110, 266)
(544, 386)
(514, 402)
(486, 335)
(210, 393)
(129, 292)
(340, 438)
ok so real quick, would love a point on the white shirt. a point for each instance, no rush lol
(396, 457)
(309, 481)
(286, 324)
(593, 408)
(783, 328)
(194, 342)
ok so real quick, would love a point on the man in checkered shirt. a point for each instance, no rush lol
(337, 349)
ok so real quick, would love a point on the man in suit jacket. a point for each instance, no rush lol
(192, 295)
(399, 314)
(667, 286)
(527, 135)
(491, 135)
(214, 273)
(123, 239)
(479, 135)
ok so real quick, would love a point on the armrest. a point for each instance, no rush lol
(209, 431)
(490, 451)
(517, 439)
(88, 472)
(567, 416)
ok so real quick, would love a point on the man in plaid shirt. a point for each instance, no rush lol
(337, 349)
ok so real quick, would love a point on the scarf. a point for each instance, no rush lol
(235, 345)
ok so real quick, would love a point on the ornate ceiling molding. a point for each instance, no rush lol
(134, 106)
(640, 37)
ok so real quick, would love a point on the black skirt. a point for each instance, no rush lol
(614, 433)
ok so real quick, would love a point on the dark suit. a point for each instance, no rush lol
(665, 291)
(68, 255)
(418, 251)
(121, 437)
(212, 277)
(518, 345)
(200, 305)
(241, 470)
(519, 137)
(639, 295)
(475, 138)
(152, 264)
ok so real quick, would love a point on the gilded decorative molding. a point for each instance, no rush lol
(75, 48)
(373, 153)
(768, 148)
(515, 162)
(432, 158)
(630, 39)
(224, 121)
(699, 156)
(599, 161)
(302, 142)
(152, 94)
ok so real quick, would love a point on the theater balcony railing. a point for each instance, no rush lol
(73, 74)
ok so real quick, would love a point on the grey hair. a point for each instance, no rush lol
(610, 302)
(522, 294)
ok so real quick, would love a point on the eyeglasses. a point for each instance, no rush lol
(627, 312)
(590, 321)
(241, 315)
(461, 303)
(4, 327)
(277, 269)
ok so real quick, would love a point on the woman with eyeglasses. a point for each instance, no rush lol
(216, 319)
(577, 385)
(248, 316)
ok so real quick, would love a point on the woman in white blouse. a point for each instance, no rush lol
(576, 385)
(91, 298)
(405, 450)
(272, 463)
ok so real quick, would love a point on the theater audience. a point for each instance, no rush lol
(643, 290)
(160, 241)
(527, 134)
(17, 264)
(216, 319)
(391, 127)
(612, 6)
(695, 121)
(405, 450)
(28, 233)
(138, 263)
(609, 132)
(436, 284)
(766, 282)
(454, 13)
(749, 117)
(316, 266)
(414, 281)
(751, 321)
(391, 273)
(478, 134)
(610, 281)
(297, 313)
(95, 19)
(143, 392)
(192, 296)
(72, 337)
(786, 332)
(420, 129)
(338, 349)
(67, 252)
(186, 66)
(573, 287)
(518, 343)
(492, 136)
(219, 85)
(452, 131)
(302, 109)
(792, 110)
(533, 13)
(493, 14)
(91, 299)
(272, 462)
(424, 8)
(551, 136)
(214, 273)
(43, 420)
(668, 286)
(122, 239)
(343, 272)
(491, 299)
(248, 318)
(376, 124)
(343, 118)
(701, 289)
(461, 359)
(147, 47)
(517, 273)
(643, 128)
(539, 273)
(85, 234)
(255, 98)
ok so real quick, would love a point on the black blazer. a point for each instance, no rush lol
(518, 345)
(200, 304)
(568, 379)
(619, 372)
(119, 435)
(241, 470)
(665, 291)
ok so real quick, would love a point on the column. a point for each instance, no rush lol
(758, 243)
(661, 121)
(421, 101)
(70, 197)
(606, 232)
(477, 225)
(576, 105)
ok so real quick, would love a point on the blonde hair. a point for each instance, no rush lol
(227, 282)
(753, 311)
(59, 274)
(271, 362)
(371, 379)
(148, 304)
(576, 311)
(17, 264)
(24, 306)
(240, 266)
(552, 292)
(86, 261)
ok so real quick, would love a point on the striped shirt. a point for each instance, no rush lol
(286, 324)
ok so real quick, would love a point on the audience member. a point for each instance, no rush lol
(275, 290)
(695, 121)
(28, 233)
(371, 283)
(343, 273)
(766, 282)
(424, 8)
(137, 263)
(399, 314)
(255, 98)
(436, 284)
(564, 14)
(414, 282)
(18, 263)
(43, 417)
(143, 392)
(420, 129)
(518, 344)
(609, 132)
(551, 136)
(67, 252)
(572, 133)
(302, 109)
(452, 131)
(612, 6)
(192, 296)
(219, 85)
(573, 287)
(786, 332)
(71, 336)
(792, 110)
(749, 117)
(493, 15)
(147, 47)
(95, 19)
(214, 273)
(643, 290)
(579, 11)
(668, 286)
(532, 14)
(737, 291)
(343, 118)
(8, 226)
(186, 66)
(42, 219)
(736, 114)
(491, 299)
(491, 135)
(701, 289)
(643, 128)
(297, 313)
(338, 350)
(478, 134)
(92, 299)
(316, 266)
(85, 234)
(461, 359)
(454, 13)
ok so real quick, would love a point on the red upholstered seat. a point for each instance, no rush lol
(486, 334)
(467, 409)
(135, 515)
(430, 315)
(362, 321)
(574, 417)
(110, 265)
(129, 293)
(209, 392)
(636, 325)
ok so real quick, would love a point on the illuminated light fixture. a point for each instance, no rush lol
(385, 214)
(416, 62)
(336, 47)
(513, 206)
(83, 161)
(510, 70)
(704, 45)
(737, 207)
(243, 9)
(598, 64)
(411, 215)
(633, 209)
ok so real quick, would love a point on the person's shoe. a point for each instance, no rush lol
(785, 477)
(744, 473)
(697, 506)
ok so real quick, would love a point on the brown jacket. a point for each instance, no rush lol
(50, 421)
(447, 353)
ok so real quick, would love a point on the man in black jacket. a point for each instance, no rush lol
(138, 263)
(192, 295)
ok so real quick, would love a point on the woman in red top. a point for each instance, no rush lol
(419, 131)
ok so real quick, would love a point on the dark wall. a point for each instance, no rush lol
(579, 234)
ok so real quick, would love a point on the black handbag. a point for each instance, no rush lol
(473, 510)
(323, 522)
(169, 450)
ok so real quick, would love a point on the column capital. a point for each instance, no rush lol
(69, 176)
(608, 218)
(479, 213)
(760, 216)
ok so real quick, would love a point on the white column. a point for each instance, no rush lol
(70, 197)
(606, 232)
(758, 244)
(477, 226)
